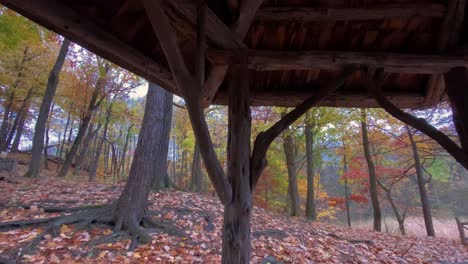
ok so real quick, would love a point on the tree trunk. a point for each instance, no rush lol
(290, 153)
(455, 82)
(345, 169)
(426, 206)
(197, 176)
(311, 212)
(6, 119)
(372, 176)
(95, 161)
(9, 102)
(85, 148)
(19, 118)
(100, 85)
(237, 213)
(400, 218)
(39, 130)
(22, 120)
(46, 149)
(125, 149)
(164, 135)
(65, 134)
(151, 149)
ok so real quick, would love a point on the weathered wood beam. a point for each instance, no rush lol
(337, 99)
(449, 32)
(337, 14)
(216, 75)
(263, 60)
(56, 16)
(216, 31)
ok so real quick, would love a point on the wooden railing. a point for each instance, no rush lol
(462, 226)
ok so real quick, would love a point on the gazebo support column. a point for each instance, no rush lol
(238, 211)
(456, 84)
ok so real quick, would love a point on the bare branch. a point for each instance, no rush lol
(264, 139)
(418, 123)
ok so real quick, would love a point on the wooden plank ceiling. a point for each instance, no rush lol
(294, 46)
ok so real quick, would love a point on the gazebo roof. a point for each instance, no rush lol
(294, 46)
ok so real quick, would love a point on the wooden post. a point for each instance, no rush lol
(238, 211)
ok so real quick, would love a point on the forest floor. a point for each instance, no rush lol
(197, 238)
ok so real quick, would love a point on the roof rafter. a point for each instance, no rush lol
(264, 60)
(57, 16)
(336, 14)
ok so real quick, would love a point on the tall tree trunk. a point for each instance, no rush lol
(311, 212)
(65, 134)
(19, 118)
(400, 218)
(21, 123)
(125, 149)
(197, 176)
(161, 177)
(93, 104)
(372, 175)
(46, 149)
(39, 130)
(426, 206)
(85, 148)
(345, 169)
(238, 211)
(95, 162)
(151, 149)
(290, 153)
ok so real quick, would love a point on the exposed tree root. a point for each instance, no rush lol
(87, 215)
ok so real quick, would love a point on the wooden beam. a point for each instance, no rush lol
(337, 99)
(263, 60)
(216, 75)
(54, 15)
(216, 30)
(336, 14)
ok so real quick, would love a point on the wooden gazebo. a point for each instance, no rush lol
(351, 53)
(294, 46)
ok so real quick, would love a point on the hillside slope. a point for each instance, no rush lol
(189, 232)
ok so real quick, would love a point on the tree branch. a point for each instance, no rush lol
(418, 123)
(264, 139)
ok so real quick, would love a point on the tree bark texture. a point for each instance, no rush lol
(426, 206)
(164, 134)
(311, 212)
(347, 202)
(372, 174)
(197, 175)
(39, 130)
(290, 154)
(151, 148)
(19, 118)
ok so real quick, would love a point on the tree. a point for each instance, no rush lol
(39, 131)
(291, 156)
(372, 174)
(150, 155)
(311, 212)
(96, 99)
(426, 207)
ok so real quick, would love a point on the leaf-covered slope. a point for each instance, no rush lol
(190, 232)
